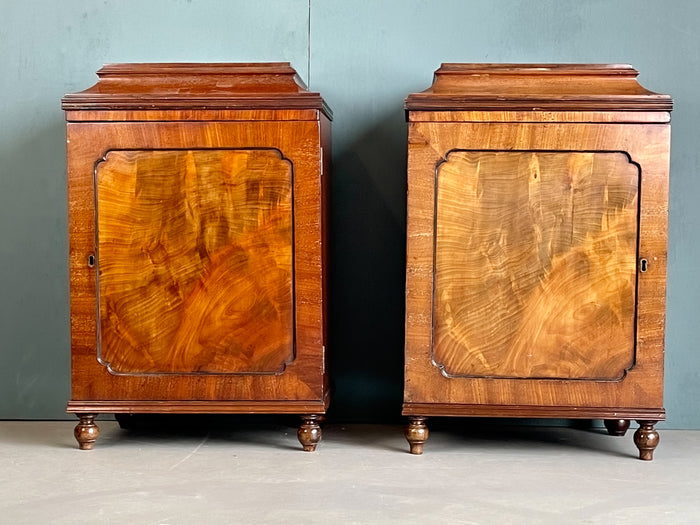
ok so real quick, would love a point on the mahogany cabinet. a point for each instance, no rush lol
(198, 240)
(536, 250)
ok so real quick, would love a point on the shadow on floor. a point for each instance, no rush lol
(455, 435)
(509, 434)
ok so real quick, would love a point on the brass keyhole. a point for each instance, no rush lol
(91, 260)
(643, 265)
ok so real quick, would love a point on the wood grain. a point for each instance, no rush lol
(195, 261)
(535, 262)
(192, 115)
(536, 87)
(448, 409)
(571, 117)
(201, 407)
(305, 378)
(198, 243)
(429, 145)
(186, 86)
(536, 244)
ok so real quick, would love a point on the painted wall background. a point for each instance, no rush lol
(364, 57)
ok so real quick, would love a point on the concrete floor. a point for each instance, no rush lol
(209, 472)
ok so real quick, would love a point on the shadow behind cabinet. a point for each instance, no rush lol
(198, 239)
(536, 250)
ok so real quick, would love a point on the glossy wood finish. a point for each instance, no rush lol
(195, 261)
(647, 439)
(642, 386)
(417, 434)
(572, 117)
(536, 250)
(617, 427)
(86, 431)
(202, 241)
(172, 406)
(449, 409)
(535, 87)
(309, 433)
(303, 379)
(178, 86)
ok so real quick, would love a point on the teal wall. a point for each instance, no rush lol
(364, 57)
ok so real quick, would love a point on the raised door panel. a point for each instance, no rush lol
(535, 264)
(195, 261)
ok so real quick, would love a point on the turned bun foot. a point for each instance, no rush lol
(86, 431)
(646, 438)
(617, 427)
(309, 432)
(126, 421)
(417, 434)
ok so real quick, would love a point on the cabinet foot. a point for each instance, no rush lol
(309, 432)
(126, 421)
(86, 431)
(646, 438)
(417, 434)
(617, 427)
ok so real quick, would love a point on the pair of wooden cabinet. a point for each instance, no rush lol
(535, 257)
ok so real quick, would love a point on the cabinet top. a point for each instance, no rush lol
(536, 87)
(178, 86)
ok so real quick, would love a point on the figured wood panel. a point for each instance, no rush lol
(535, 264)
(195, 261)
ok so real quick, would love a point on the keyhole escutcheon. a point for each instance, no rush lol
(643, 265)
(91, 260)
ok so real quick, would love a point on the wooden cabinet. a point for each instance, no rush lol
(536, 250)
(198, 240)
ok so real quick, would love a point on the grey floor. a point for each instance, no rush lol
(204, 472)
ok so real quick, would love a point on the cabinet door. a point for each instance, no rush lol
(196, 261)
(524, 257)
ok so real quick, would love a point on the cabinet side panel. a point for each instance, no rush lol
(326, 181)
(419, 263)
